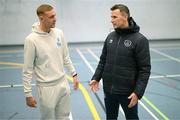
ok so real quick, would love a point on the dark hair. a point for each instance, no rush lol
(43, 8)
(122, 8)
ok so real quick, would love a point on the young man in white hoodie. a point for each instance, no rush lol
(46, 54)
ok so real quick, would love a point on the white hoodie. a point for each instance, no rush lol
(45, 54)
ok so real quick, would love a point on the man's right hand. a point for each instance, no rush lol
(31, 102)
(94, 85)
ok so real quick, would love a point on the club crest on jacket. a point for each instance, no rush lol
(127, 43)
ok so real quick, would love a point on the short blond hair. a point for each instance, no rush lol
(43, 8)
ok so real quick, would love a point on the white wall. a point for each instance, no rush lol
(89, 20)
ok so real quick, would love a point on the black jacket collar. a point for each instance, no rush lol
(133, 27)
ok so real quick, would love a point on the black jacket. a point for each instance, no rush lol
(124, 64)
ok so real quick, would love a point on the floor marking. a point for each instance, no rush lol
(10, 51)
(163, 46)
(70, 116)
(11, 63)
(9, 67)
(88, 100)
(85, 60)
(139, 100)
(161, 76)
(161, 59)
(166, 55)
(93, 54)
(155, 108)
(13, 85)
(170, 48)
(164, 76)
(11, 117)
(18, 65)
(90, 67)
(92, 70)
(83, 90)
(144, 98)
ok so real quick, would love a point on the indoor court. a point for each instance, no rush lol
(161, 100)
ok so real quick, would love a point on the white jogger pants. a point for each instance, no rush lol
(55, 101)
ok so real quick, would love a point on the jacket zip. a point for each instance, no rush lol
(115, 61)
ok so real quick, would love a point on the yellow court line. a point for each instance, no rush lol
(10, 51)
(11, 63)
(88, 100)
(83, 90)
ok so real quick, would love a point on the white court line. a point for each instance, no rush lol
(13, 85)
(165, 76)
(158, 76)
(166, 55)
(85, 60)
(90, 67)
(139, 100)
(93, 54)
(70, 116)
(20, 85)
(171, 76)
(96, 57)
(152, 77)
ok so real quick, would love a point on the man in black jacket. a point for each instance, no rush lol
(124, 65)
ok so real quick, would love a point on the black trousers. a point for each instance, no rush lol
(112, 102)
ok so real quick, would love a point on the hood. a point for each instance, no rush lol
(36, 29)
(133, 27)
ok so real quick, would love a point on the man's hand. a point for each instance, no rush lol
(94, 85)
(75, 82)
(31, 102)
(134, 100)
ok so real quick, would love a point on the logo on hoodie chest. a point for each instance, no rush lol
(110, 41)
(58, 42)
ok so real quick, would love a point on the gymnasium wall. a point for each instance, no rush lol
(89, 20)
